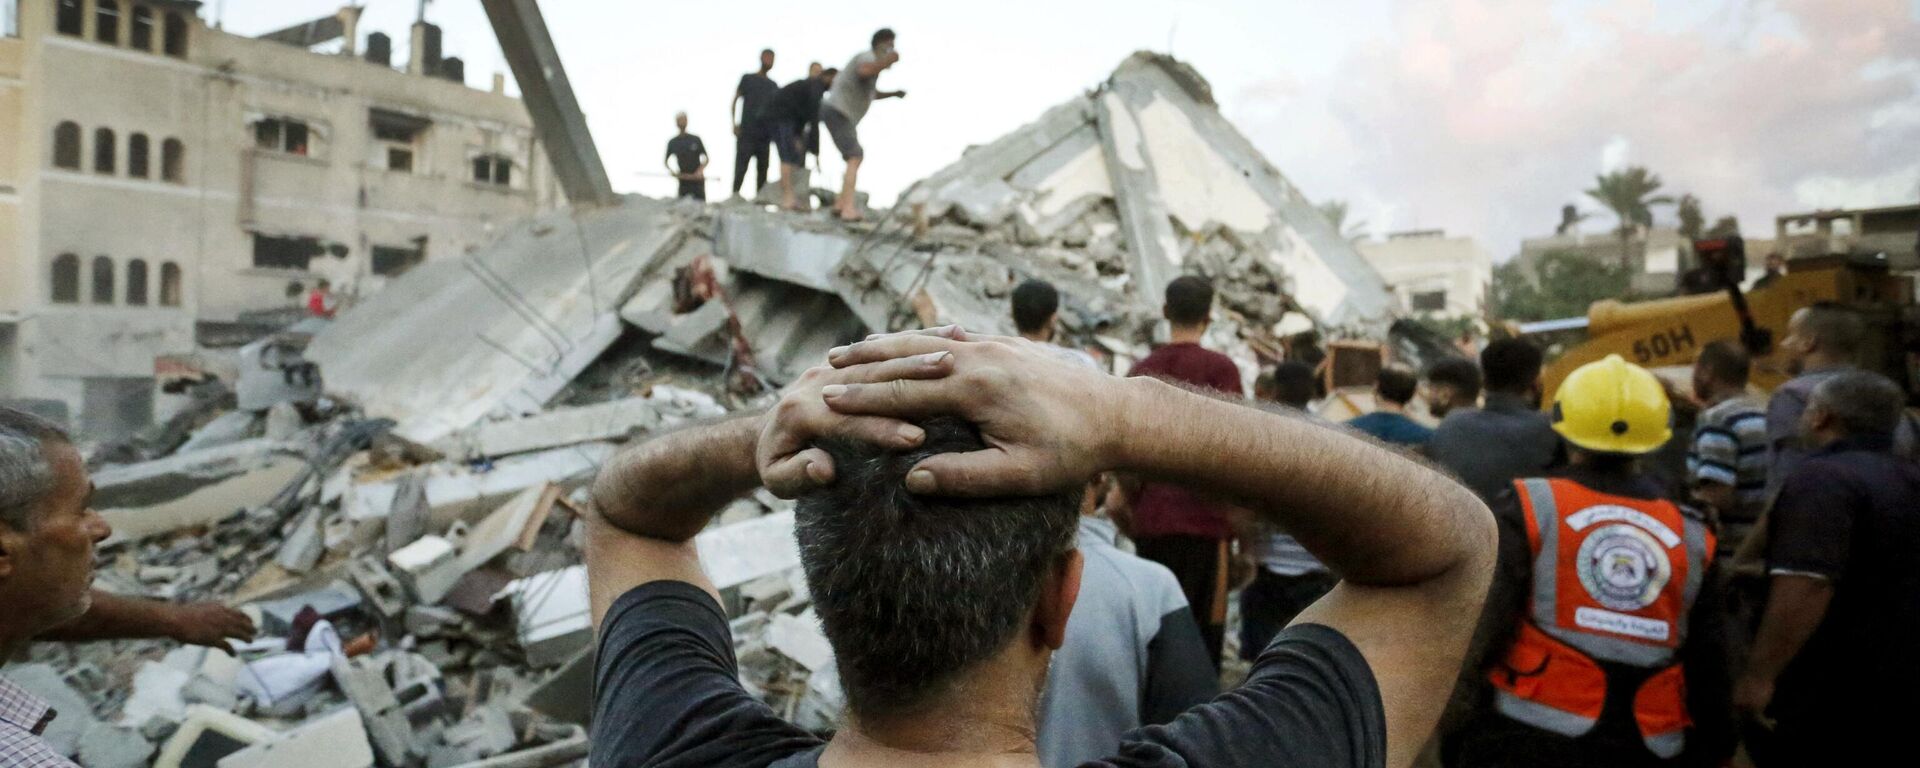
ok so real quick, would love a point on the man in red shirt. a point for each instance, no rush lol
(1176, 527)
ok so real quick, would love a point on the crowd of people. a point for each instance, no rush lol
(1019, 558)
(789, 119)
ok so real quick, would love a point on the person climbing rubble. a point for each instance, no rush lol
(846, 104)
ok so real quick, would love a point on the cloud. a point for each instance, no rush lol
(1485, 116)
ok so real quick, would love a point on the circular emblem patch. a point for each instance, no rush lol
(1623, 568)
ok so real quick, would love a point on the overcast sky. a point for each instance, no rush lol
(1476, 116)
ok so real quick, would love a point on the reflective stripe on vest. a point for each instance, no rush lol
(1626, 593)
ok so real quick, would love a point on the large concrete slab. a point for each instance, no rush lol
(497, 333)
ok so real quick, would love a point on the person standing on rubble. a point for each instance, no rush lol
(689, 152)
(1606, 647)
(48, 531)
(937, 477)
(1183, 528)
(1036, 308)
(846, 103)
(793, 124)
(750, 134)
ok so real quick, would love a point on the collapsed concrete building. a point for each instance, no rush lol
(409, 539)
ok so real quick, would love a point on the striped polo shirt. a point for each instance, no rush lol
(1729, 447)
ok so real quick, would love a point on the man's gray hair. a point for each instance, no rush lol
(26, 477)
(1861, 402)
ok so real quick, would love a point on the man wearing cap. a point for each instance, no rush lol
(1602, 643)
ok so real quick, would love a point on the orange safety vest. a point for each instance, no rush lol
(1613, 580)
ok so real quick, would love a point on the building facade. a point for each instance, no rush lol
(159, 177)
(1432, 274)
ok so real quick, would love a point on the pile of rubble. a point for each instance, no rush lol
(394, 496)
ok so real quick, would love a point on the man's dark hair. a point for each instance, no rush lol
(1726, 362)
(766, 52)
(1293, 384)
(1189, 300)
(1836, 327)
(884, 35)
(830, 72)
(1862, 403)
(1459, 373)
(26, 476)
(1034, 303)
(1510, 365)
(1396, 385)
(914, 590)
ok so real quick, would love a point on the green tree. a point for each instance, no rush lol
(1725, 226)
(1336, 212)
(1629, 193)
(1693, 222)
(1568, 282)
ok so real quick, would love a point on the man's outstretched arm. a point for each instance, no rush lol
(1415, 549)
(112, 617)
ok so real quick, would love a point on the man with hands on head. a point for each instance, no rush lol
(937, 476)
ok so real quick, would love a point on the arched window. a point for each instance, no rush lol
(172, 159)
(176, 35)
(140, 32)
(106, 21)
(137, 151)
(137, 282)
(102, 280)
(69, 18)
(103, 150)
(66, 279)
(169, 284)
(66, 145)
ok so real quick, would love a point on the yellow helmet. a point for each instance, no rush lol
(1613, 406)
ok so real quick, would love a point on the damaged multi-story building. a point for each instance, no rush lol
(163, 181)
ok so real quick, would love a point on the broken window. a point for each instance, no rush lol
(172, 156)
(140, 32)
(176, 35)
(493, 169)
(272, 252)
(103, 150)
(102, 280)
(281, 135)
(137, 283)
(169, 284)
(137, 152)
(392, 260)
(396, 138)
(66, 279)
(69, 18)
(106, 21)
(66, 145)
(1430, 301)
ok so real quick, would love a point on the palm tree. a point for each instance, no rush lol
(1693, 221)
(1629, 194)
(1336, 213)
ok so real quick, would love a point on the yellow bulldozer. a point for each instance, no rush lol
(1668, 333)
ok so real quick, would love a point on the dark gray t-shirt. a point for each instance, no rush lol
(667, 694)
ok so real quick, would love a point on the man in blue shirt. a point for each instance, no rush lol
(1390, 422)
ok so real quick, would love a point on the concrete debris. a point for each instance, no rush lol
(396, 496)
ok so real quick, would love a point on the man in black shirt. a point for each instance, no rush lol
(793, 123)
(687, 150)
(936, 475)
(750, 135)
(1833, 666)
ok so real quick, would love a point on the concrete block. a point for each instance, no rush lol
(207, 735)
(106, 746)
(284, 422)
(552, 429)
(385, 723)
(428, 567)
(464, 492)
(551, 612)
(407, 516)
(337, 740)
(226, 429)
(567, 695)
(159, 689)
(486, 732)
(739, 553)
(801, 639)
(386, 593)
(304, 543)
(506, 526)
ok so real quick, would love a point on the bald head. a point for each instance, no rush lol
(1854, 404)
(1826, 333)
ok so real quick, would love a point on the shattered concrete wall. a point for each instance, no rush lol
(1146, 164)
